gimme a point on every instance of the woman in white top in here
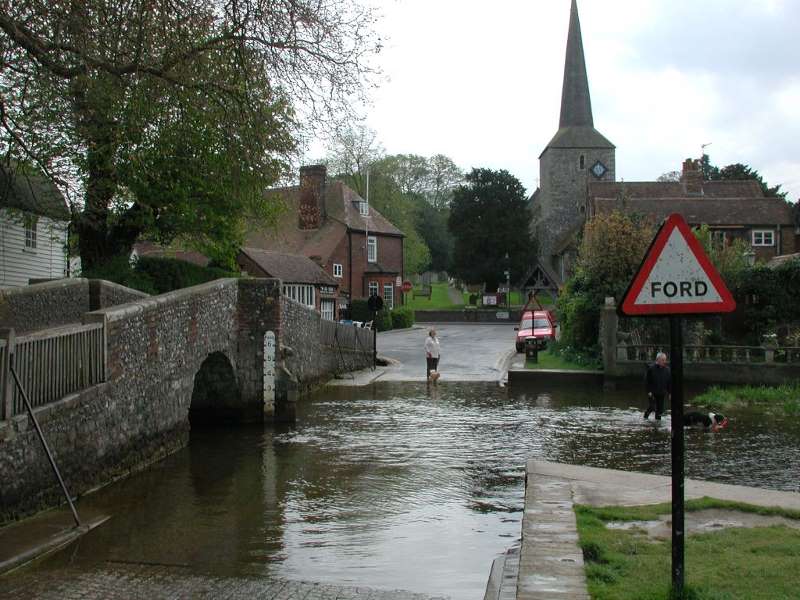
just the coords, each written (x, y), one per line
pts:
(432, 352)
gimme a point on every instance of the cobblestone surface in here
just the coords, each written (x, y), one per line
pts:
(151, 582)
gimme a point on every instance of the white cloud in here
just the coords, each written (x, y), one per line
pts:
(481, 82)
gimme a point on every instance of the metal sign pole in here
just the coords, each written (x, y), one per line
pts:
(678, 537)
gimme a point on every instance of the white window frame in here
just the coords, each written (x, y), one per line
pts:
(300, 292)
(372, 249)
(388, 295)
(337, 270)
(327, 308)
(759, 237)
(31, 224)
(372, 288)
(363, 208)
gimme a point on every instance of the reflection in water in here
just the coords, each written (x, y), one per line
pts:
(398, 485)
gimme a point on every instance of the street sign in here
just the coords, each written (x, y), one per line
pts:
(676, 277)
(407, 287)
(398, 281)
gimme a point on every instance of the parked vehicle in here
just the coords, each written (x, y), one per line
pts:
(536, 325)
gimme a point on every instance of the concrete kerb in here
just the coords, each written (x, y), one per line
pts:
(551, 562)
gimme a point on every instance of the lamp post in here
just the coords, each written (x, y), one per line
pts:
(750, 257)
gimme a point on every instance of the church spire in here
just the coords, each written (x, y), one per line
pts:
(576, 105)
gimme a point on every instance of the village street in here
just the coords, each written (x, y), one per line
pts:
(470, 351)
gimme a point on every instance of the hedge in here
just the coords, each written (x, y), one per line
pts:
(155, 275)
(398, 318)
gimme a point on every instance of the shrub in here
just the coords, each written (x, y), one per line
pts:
(155, 275)
(170, 274)
(382, 321)
(402, 318)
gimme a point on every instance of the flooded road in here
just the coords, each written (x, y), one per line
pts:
(395, 486)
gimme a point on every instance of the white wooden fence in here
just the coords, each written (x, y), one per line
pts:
(50, 364)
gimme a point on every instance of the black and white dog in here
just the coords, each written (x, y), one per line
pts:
(705, 421)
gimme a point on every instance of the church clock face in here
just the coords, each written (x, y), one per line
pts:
(599, 169)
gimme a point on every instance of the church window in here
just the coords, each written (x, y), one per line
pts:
(582, 162)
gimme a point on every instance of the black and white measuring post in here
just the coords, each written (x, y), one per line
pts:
(374, 303)
(676, 279)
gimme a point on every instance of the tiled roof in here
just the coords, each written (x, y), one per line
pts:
(673, 189)
(704, 210)
(342, 213)
(32, 193)
(291, 268)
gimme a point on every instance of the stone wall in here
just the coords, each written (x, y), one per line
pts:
(103, 294)
(43, 305)
(60, 302)
(308, 361)
(157, 350)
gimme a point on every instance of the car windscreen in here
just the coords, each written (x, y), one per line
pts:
(526, 324)
(541, 324)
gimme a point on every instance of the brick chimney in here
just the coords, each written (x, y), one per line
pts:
(692, 177)
(311, 209)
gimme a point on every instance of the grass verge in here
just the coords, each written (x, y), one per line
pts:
(439, 300)
(552, 361)
(743, 563)
(785, 398)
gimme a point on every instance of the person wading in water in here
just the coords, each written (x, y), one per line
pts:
(659, 386)
(432, 355)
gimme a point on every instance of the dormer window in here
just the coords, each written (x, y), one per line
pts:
(363, 209)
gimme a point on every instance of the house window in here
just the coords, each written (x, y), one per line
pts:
(304, 294)
(372, 249)
(388, 295)
(719, 239)
(763, 237)
(582, 162)
(363, 208)
(373, 288)
(30, 222)
(326, 309)
(337, 270)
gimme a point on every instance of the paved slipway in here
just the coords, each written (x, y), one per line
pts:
(470, 352)
(141, 581)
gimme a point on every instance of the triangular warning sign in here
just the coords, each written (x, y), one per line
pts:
(676, 277)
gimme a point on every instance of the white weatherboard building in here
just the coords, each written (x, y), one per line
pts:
(34, 221)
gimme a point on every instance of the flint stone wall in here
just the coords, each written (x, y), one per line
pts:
(309, 361)
(62, 302)
(155, 349)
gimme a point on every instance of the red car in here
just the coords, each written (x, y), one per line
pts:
(537, 325)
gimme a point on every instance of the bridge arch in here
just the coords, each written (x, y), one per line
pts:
(216, 397)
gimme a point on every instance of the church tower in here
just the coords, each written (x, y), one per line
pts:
(576, 155)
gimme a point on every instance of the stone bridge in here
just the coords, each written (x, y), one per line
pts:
(168, 362)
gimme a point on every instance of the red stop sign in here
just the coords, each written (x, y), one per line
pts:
(407, 286)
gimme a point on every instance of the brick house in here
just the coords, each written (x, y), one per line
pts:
(731, 209)
(332, 225)
(303, 280)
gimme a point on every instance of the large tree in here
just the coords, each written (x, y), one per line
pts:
(171, 116)
(488, 219)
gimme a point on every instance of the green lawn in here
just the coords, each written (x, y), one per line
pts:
(439, 299)
(550, 361)
(730, 564)
(785, 398)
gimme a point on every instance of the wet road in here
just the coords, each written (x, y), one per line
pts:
(470, 352)
(390, 486)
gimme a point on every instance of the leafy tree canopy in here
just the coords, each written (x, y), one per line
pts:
(739, 172)
(488, 220)
(172, 117)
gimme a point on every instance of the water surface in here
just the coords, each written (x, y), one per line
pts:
(396, 486)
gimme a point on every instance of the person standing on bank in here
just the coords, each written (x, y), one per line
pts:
(659, 386)
(431, 353)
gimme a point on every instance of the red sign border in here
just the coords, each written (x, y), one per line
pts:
(675, 221)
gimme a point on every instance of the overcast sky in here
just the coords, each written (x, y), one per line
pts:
(480, 82)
